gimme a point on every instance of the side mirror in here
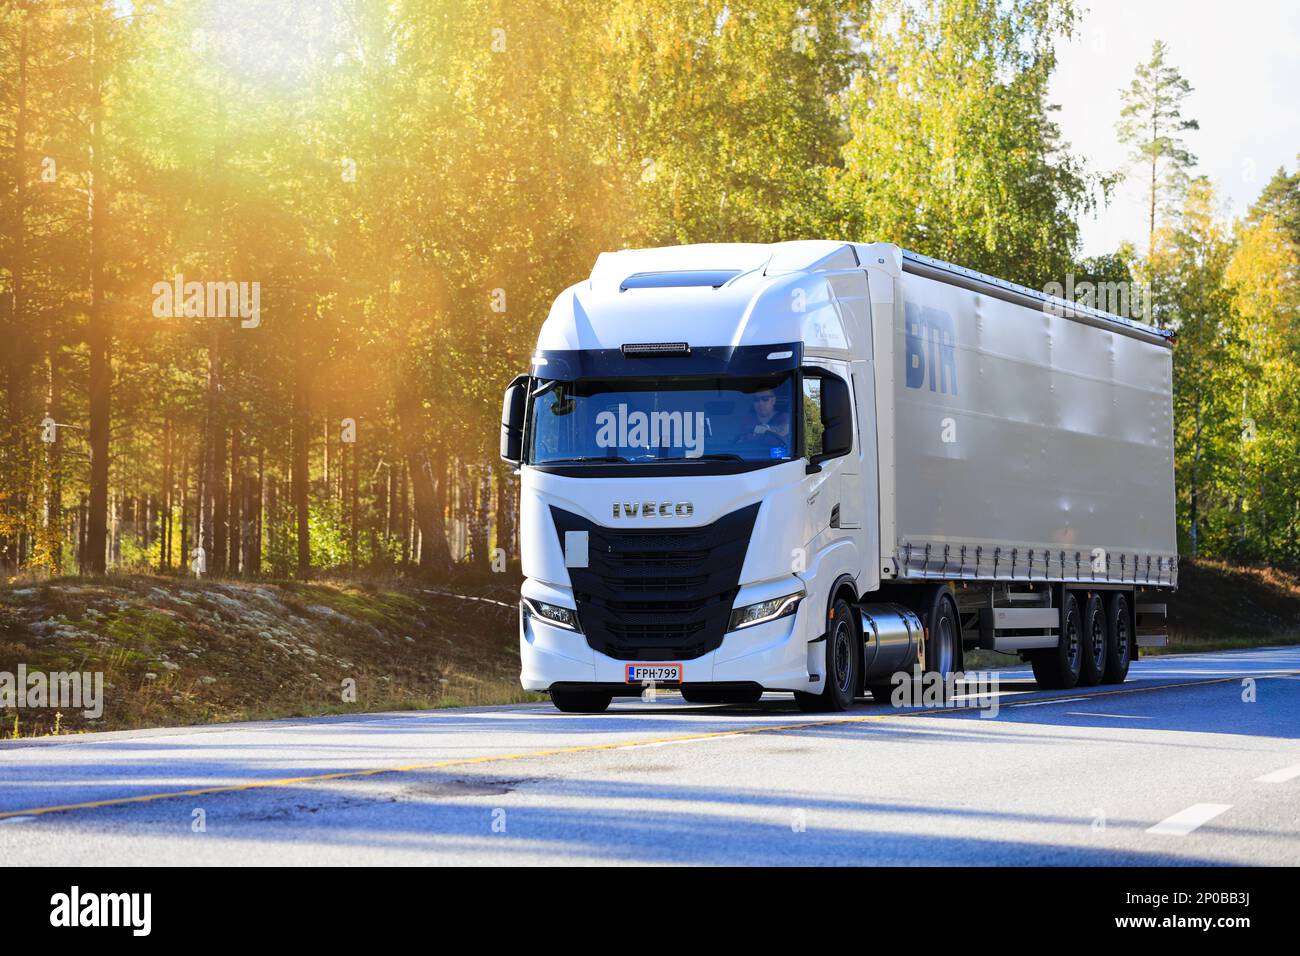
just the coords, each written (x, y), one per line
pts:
(512, 420)
(835, 402)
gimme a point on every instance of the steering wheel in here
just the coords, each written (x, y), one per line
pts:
(768, 439)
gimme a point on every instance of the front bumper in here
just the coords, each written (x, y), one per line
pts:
(773, 655)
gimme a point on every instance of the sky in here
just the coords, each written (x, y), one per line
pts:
(1243, 62)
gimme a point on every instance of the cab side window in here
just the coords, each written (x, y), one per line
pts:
(812, 416)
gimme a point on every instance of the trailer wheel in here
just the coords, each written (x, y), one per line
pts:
(843, 662)
(1119, 639)
(580, 701)
(1093, 655)
(1057, 668)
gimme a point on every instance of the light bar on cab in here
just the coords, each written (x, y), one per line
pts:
(656, 348)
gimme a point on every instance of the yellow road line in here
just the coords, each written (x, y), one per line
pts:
(534, 754)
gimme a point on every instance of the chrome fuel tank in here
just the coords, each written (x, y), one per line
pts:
(891, 637)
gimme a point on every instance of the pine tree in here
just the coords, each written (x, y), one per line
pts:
(1150, 123)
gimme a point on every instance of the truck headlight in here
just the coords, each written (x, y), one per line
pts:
(551, 613)
(764, 611)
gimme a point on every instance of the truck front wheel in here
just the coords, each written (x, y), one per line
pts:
(1057, 668)
(580, 701)
(843, 661)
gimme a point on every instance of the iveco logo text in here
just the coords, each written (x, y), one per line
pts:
(654, 509)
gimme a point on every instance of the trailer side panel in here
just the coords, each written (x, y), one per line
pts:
(1029, 445)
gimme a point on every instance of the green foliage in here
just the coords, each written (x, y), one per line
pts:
(953, 151)
(412, 182)
(1280, 199)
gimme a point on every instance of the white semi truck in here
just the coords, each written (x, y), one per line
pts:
(809, 466)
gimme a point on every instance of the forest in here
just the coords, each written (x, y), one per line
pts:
(265, 268)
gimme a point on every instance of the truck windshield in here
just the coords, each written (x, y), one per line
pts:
(643, 421)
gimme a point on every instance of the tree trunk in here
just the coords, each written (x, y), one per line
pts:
(434, 555)
(404, 513)
(53, 544)
(390, 494)
(220, 479)
(184, 555)
(165, 548)
(1194, 510)
(1151, 223)
(236, 496)
(353, 524)
(301, 440)
(253, 541)
(505, 513)
(15, 337)
(481, 516)
(99, 335)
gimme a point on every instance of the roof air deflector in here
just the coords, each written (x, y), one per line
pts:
(675, 280)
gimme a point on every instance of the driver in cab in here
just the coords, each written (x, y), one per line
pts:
(764, 422)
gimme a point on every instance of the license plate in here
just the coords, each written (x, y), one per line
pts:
(661, 673)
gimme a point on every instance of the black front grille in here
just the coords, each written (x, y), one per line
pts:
(637, 560)
(642, 633)
(641, 584)
(654, 594)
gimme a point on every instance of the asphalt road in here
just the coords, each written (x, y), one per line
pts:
(1187, 763)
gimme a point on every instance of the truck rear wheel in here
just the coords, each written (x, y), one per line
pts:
(1119, 639)
(942, 638)
(1093, 656)
(843, 664)
(1057, 668)
(581, 701)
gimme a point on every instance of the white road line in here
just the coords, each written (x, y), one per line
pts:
(1081, 713)
(1280, 776)
(1040, 703)
(1185, 821)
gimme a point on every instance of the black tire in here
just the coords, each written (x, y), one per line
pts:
(1119, 639)
(843, 664)
(1057, 668)
(1092, 665)
(731, 695)
(581, 701)
(942, 639)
